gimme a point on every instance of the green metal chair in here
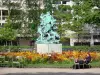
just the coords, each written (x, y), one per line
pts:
(2, 59)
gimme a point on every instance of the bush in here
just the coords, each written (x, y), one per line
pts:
(64, 48)
(83, 48)
(13, 48)
(3, 48)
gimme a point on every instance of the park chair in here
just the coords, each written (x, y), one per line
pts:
(17, 63)
(81, 65)
(88, 65)
(78, 66)
(2, 58)
(3, 62)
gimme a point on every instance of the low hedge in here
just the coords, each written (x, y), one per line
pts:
(84, 48)
(13, 48)
(64, 48)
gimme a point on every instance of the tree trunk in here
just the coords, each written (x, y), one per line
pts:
(6, 43)
(78, 38)
(91, 40)
(11, 42)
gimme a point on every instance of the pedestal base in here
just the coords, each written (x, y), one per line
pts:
(48, 48)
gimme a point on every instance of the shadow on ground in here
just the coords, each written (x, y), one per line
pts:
(50, 73)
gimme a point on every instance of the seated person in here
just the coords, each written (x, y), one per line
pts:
(78, 60)
(87, 59)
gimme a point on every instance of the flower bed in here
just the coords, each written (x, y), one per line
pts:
(25, 58)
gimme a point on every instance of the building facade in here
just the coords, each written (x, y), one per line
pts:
(90, 37)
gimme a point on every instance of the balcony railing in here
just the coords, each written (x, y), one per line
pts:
(3, 17)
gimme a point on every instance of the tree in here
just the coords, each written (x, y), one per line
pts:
(24, 16)
(91, 14)
(7, 33)
(33, 16)
(63, 15)
(76, 17)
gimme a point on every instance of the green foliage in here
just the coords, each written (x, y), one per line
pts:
(74, 18)
(64, 39)
(7, 33)
(95, 64)
(62, 15)
(41, 65)
(33, 16)
(89, 9)
(18, 17)
(64, 8)
(83, 48)
(48, 5)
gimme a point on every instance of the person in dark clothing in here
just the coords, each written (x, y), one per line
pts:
(88, 58)
(78, 60)
(82, 61)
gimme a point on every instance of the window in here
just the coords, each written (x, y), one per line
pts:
(2, 24)
(58, 2)
(5, 12)
(64, 2)
(4, 17)
(0, 12)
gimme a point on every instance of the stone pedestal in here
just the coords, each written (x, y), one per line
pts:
(48, 48)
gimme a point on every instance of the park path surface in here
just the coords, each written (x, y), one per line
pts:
(48, 71)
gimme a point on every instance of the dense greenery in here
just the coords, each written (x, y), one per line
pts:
(7, 32)
(83, 48)
(64, 48)
(24, 16)
(75, 17)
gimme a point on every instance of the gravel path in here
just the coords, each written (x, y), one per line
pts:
(48, 71)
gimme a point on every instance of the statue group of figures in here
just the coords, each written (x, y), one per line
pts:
(47, 30)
